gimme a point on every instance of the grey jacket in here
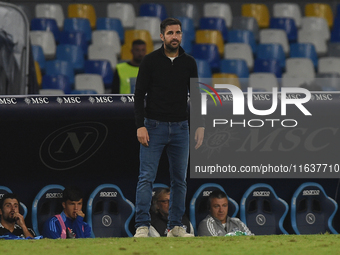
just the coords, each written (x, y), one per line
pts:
(211, 226)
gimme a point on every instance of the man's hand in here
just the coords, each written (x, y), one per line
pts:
(199, 135)
(19, 219)
(80, 213)
(143, 136)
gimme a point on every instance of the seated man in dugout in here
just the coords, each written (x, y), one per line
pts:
(12, 222)
(217, 222)
(70, 222)
(160, 212)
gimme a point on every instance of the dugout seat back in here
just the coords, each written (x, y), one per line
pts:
(23, 209)
(109, 212)
(157, 186)
(199, 204)
(312, 211)
(46, 204)
(263, 211)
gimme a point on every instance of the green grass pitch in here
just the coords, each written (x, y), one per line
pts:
(250, 245)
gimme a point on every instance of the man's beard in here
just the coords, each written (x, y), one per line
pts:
(9, 219)
(170, 48)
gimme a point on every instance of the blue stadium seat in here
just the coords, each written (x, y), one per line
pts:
(246, 23)
(185, 9)
(272, 51)
(235, 66)
(109, 212)
(46, 204)
(79, 24)
(75, 38)
(335, 36)
(214, 23)
(337, 11)
(263, 211)
(287, 24)
(188, 27)
(111, 24)
(101, 67)
(199, 204)
(203, 68)
(312, 211)
(84, 91)
(23, 209)
(304, 50)
(187, 43)
(153, 10)
(268, 66)
(73, 54)
(242, 36)
(38, 55)
(56, 81)
(157, 186)
(335, 31)
(60, 67)
(208, 52)
(46, 24)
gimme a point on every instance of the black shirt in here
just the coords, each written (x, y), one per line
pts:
(159, 222)
(166, 84)
(17, 231)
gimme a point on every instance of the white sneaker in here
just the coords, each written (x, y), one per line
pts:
(178, 231)
(142, 232)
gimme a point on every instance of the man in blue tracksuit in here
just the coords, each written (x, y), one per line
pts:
(70, 223)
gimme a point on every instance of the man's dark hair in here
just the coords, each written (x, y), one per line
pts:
(169, 22)
(216, 194)
(72, 194)
(138, 42)
(8, 195)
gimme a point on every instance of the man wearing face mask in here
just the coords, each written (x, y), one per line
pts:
(11, 220)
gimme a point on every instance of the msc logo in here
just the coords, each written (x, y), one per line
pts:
(311, 192)
(127, 99)
(261, 193)
(8, 100)
(68, 100)
(54, 195)
(36, 100)
(72, 145)
(101, 100)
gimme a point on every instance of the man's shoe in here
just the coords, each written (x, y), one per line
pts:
(178, 231)
(142, 232)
